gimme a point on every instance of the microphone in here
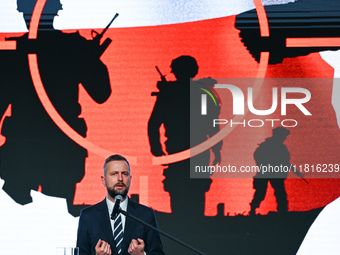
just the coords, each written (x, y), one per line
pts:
(115, 210)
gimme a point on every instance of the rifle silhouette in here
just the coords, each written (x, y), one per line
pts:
(299, 19)
(160, 73)
(162, 79)
(295, 171)
(97, 37)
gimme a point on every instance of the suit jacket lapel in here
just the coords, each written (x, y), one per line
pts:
(129, 226)
(105, 224)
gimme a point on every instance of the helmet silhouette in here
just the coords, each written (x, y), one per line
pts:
(281, 131)
(184, 67)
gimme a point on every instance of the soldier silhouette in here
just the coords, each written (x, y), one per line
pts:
(172, 109)
(36, 152)
(312, 20)
(273, 154)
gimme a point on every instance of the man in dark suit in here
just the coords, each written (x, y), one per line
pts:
(96, 229)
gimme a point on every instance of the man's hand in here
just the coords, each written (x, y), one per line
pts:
(136, 247)
(102, 248)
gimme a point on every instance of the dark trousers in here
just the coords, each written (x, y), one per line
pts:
(260, 186)
(187, 194)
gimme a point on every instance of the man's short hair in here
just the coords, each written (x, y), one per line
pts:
(115, 157)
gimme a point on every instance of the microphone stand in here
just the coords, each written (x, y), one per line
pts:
(159, 231)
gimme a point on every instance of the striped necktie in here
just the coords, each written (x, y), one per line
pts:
(118, 232)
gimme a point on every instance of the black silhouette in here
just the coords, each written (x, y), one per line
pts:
(36, 151)
(273, 159)
(238, 235)
(300, 19)
(173, 109)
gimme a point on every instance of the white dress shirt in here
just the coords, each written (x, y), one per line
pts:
(123, 206)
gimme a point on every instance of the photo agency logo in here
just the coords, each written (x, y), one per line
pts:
(239, 114)
(246, 101)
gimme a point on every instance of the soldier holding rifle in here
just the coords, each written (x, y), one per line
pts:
(54, 163)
